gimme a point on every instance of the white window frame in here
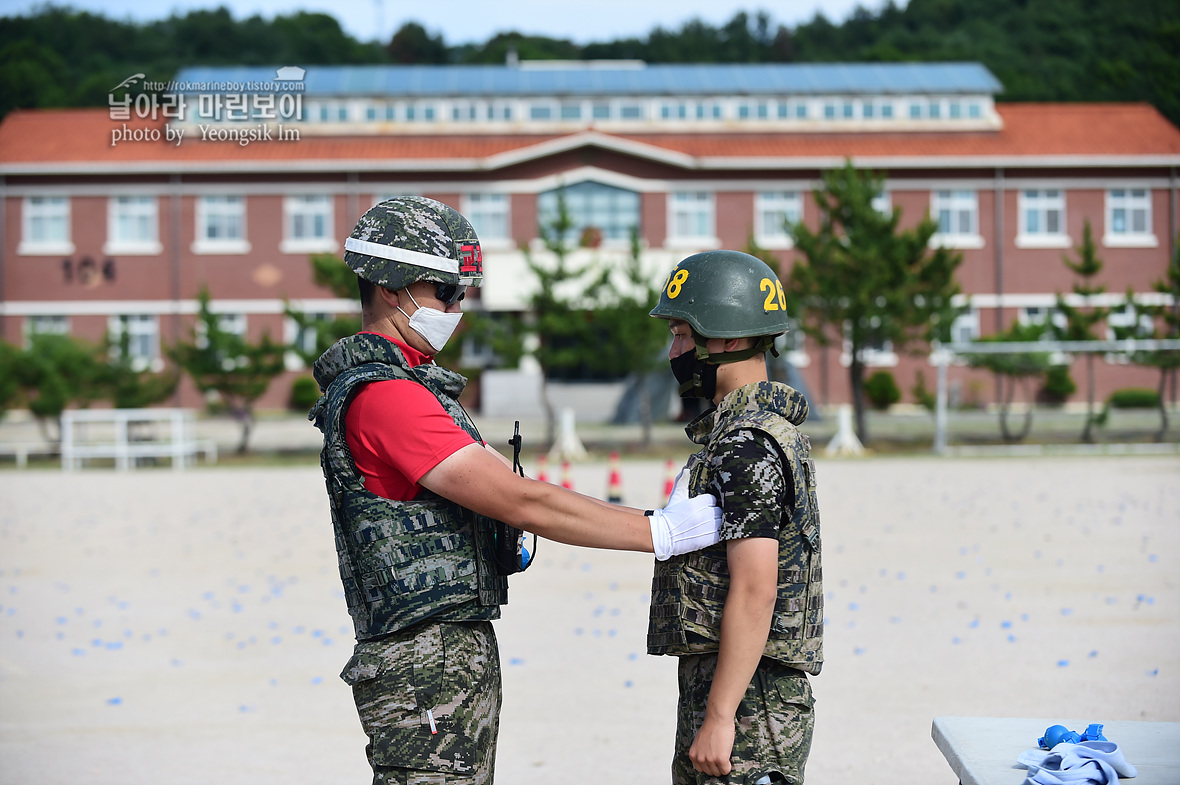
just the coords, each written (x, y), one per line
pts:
(206, 210)
(1129, 200)
(968, 323)
(883, 202)
(44, 324)
(294, 334)
(698, 229)
(885, 357)
(136, 208)
(141, 327)
(310, 207)
(491, 215)
(956, 203)
(771, 209)
(1040, 201)
(37, 212)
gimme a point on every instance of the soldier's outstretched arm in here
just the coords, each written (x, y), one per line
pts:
(473, 478)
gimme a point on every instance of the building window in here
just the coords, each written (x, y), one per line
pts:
(143, 339)
(42, 324)
(45, 226)
(613, 212)
(228, 323)
(308, 222)
(132, 225)
(1127, 322)
(221, 225)
(965, 328)
(882, 203)
(571, 111)
(540, 112)
(630, 111)
(772, 211)
(957, 214)
(1041, 314)
(877, 352)
(1128, 218)
(691, 218)
(488, 213)
(304, 338)
(1042, 219)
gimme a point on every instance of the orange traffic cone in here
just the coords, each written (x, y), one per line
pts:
(614, 485)
(669, 478)
(566, 482)
(542, 468)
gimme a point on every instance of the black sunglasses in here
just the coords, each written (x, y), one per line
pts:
(450, 293)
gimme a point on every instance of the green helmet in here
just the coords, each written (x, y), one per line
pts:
(725, 294)
(412, 238)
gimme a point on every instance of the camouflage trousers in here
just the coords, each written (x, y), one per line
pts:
(429, 701)
(774, 723)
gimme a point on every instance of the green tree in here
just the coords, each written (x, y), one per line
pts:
(10, 358)
(862, 277)
(128, 387)
(1162, 322)
(411, 44)
(562, 333)
(1018, 368)
(58, 371)
(630, 341)
(333, 274)
(1081, 320)
(221, 362)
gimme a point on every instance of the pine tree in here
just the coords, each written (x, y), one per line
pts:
(630, 341)
(334, 274)
(227, 364)
(560, 328)
(862, 277)
(1011, 369)
(1081, 320)
(1162, 322)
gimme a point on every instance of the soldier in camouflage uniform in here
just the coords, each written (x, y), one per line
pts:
(744, 617)
(424, 513)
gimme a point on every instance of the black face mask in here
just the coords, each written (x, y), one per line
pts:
(698, 379)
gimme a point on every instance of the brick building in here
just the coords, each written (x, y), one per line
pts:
(114, 218)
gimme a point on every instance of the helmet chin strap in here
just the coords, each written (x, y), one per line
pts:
(761, 344)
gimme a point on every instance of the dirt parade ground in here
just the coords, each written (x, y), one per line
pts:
(169, 628)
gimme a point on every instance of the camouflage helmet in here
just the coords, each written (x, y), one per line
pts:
(724, 294)
(412, 238)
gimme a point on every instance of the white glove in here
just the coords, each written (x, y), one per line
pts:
(685, 526)
(680, 488)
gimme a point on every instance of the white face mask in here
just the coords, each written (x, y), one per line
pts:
(436, 327)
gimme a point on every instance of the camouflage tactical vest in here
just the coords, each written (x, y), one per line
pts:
(688, 592)
(400, 562)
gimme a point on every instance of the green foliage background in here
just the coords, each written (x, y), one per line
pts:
(1041, 50)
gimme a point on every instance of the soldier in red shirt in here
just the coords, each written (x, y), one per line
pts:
(422, 507)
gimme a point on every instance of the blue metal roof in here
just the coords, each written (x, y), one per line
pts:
(625, 79)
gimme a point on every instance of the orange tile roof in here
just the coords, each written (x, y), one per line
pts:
(79, 140)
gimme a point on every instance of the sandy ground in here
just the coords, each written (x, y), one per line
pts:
(169, 628)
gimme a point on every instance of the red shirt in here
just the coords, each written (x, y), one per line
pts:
(397, 431)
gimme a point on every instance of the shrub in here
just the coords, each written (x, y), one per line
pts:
(304, 393)
(1059, 385)
(882, 390)
(1134, 398)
